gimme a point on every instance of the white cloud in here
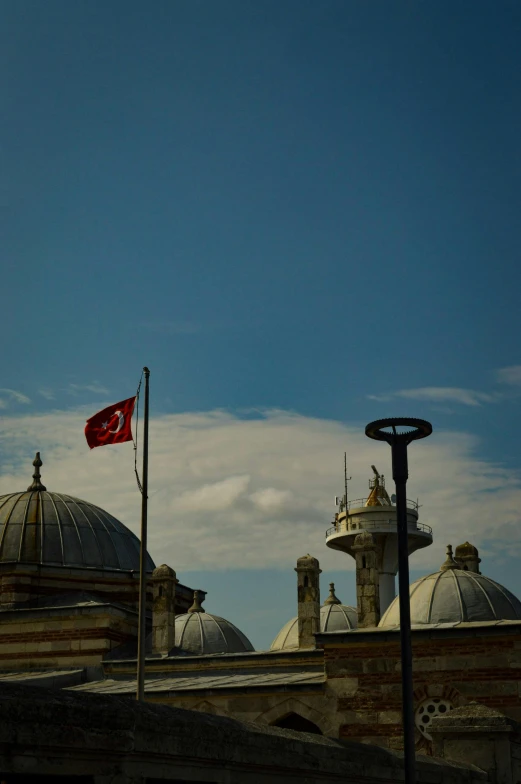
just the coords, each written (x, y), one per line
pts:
(257, 493)
(213, 497)
(468, 397)
(271, 500)
(47, 393)
(94, 387)
(8, 396)
(509, 375)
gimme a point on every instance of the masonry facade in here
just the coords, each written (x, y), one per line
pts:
(459, 665)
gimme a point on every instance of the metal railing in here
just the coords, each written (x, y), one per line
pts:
(385, 525)
(359, 502)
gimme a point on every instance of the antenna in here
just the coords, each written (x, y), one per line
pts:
(346, 480)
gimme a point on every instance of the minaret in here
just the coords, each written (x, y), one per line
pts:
(308, 586)
(376, 515)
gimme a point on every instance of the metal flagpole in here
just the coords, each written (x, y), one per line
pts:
(140, 693)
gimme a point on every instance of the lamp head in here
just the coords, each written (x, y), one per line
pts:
(398, 430)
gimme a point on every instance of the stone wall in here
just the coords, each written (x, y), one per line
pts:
(265, 707)
(487, 737)
(62, 617)
(120, 741)
(246, 702)
(33, 584)
(62, 637)
(466, 663)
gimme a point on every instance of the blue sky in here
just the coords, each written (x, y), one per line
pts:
(293, 206)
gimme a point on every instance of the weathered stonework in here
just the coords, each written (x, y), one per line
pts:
(367, 580)
(62, 617)
(308, 577)
(163, 609)
(110, 740)
(469, 662)
(482, 734)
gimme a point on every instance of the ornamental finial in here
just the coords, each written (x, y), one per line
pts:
(37, 483)
(449, 562)
(198, 599)
(332, 599)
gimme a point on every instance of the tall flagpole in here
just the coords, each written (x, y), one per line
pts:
(140, 694)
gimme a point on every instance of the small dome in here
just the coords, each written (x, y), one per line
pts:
(198, 633)
(37, 526)
(334, 617)
(454, 596)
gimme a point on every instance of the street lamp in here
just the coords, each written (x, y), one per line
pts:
(399, 432)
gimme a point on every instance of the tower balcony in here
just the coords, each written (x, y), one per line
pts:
(378, 520)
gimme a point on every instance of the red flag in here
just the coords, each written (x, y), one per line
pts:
(112, 425)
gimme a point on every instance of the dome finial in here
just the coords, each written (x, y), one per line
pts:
(198, 600)
(37, 483)
(332, 599)
(449, 562)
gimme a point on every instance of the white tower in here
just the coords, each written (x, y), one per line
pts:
(377, 516)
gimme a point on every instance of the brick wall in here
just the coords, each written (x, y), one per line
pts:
(366, 677)
(63, 640)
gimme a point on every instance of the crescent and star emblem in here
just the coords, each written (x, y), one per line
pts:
(121, 422)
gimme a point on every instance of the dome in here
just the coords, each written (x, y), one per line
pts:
(55, 529)
(334, 617)
(454, 595)
(198, 633)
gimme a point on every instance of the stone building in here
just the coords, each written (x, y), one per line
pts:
(69, 580)
(332, 670)
(50, 737)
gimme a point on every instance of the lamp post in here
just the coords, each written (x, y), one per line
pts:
(399, 432)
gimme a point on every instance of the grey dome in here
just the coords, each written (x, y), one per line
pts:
(333, 618)
(198, 633)
(455, 596)
(37, 526)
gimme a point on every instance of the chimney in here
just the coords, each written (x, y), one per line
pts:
(367, 581)
(163, 610)
(308, 581)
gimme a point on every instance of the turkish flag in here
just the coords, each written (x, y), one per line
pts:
(112, 425)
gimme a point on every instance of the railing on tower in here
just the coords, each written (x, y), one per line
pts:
(367, 525)
(359, 502)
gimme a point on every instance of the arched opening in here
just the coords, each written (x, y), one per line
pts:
(363, 562)
(306, 581)
(294, 721)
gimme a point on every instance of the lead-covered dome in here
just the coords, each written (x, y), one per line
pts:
(455, 595)
(334, 617)
(56, 529)
(198, 633)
